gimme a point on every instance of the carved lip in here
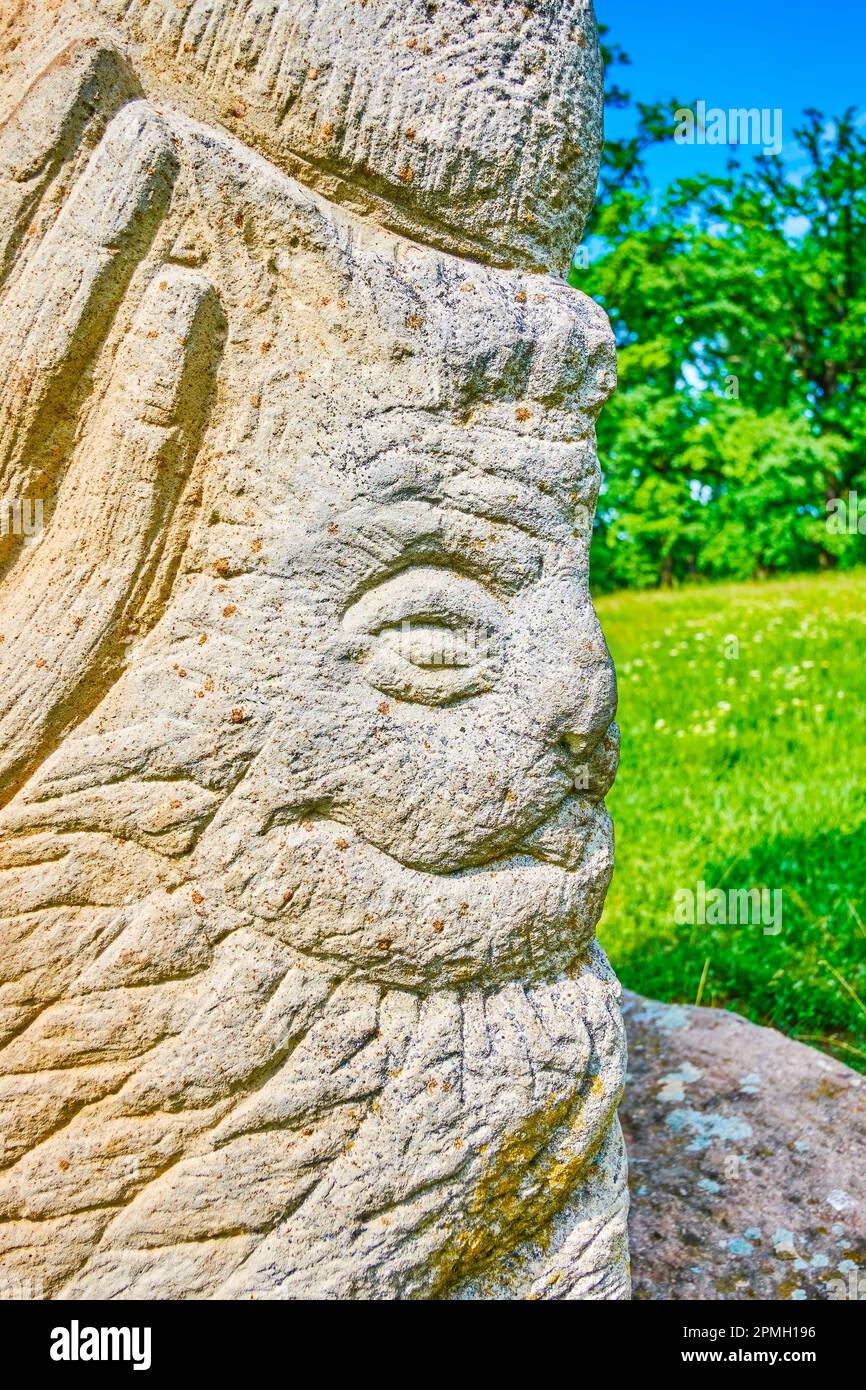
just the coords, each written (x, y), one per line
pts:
(576, 832)
(573, 834)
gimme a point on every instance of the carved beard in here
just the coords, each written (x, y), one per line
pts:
(275, 1129)
(276, 1099)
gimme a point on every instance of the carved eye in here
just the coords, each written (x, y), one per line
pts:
(427, 635)
(432, 645)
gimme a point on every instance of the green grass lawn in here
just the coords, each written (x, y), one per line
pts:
(743, 714)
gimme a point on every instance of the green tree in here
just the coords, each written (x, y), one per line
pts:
(739, 306)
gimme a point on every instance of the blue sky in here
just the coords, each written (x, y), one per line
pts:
(785, 54)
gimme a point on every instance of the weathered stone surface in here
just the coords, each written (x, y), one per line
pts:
(747, 1154)
(306, 714)
(473, 125)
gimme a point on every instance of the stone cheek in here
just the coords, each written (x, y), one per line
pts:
(306, 727)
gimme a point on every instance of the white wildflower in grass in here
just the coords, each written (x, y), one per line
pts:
(737, 767)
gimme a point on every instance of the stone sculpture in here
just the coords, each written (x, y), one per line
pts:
(306, 714)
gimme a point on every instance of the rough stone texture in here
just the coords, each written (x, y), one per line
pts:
(306, 714)
(747, 1154)
(473, 125)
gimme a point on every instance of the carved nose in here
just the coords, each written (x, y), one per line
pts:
(591, 709)
(579, 702)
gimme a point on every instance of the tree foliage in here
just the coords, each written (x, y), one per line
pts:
(739, 307)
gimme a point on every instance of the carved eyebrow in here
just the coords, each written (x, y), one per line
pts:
(495, 554)
(516, 479)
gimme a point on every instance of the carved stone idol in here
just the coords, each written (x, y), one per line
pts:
(305, 712)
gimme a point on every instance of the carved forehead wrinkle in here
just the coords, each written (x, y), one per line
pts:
(420, 454)
(551, 344)
(453, 330)
(495, 335)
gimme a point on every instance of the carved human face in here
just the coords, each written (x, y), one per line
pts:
(464, 655)
(428, 803)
